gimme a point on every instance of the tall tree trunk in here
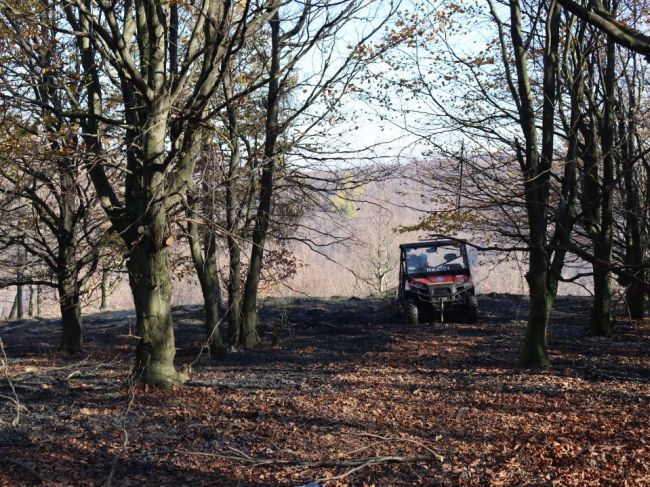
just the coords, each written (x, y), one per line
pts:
(249, 300)
(14, 308)
(205, 264)
(32, 301)
(68, 274)
(541, 301)
(602, 301)
(537, 167)
(233, 312)
(628, 123)
(634, 293)
(39, 301)
(105, 291)
(148, 263)
(234, 293)
(603, 243)
(149, 278)
(70, 305)
(20, 289)
(161, 147)
(20, 302)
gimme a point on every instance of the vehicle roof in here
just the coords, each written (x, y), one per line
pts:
(429, 243)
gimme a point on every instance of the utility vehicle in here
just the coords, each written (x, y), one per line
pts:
(435, 279)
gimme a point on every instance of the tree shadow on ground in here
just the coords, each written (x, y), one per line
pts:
(328, 372)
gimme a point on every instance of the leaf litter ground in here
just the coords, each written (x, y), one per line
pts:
(339, 393)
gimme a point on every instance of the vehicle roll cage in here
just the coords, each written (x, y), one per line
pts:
(433, 243)
(429, 243)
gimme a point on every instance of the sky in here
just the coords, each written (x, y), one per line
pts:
(394, 134)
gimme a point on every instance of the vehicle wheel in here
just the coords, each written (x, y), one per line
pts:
(411, 312)
(471, 310)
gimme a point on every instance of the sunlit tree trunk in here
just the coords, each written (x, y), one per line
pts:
(628, 123)
(204, 258)
(536, 167)
(105, 303)
(149, 273)
(601, 322)
(39, 301)
(249, 299)
(148, 263)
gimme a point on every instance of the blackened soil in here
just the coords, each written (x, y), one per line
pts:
(333, 380)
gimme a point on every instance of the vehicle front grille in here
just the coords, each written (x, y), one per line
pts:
(440, 291)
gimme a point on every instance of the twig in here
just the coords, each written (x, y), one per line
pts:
(407, 440)
(208, 341)
(73, 374)
(125, 432)
(263, 462)
(352, 465)
(17, 406)
(359, 450)
(346, 473)
(48, 370)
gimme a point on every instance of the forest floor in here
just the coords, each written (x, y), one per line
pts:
(338, 390)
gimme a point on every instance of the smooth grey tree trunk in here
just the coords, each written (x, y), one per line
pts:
(205, 263)
(106, 290)
(601, 321)
(14, 307)
(628, 126)
(39, 301)
(149, 278)
(536, 167)
(251, 286)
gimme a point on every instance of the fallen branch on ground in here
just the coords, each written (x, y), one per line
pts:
(352, 465)
(262, 462)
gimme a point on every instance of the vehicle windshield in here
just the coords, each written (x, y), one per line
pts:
(444, 258)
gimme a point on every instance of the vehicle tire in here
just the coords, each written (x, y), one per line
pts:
(411, 312)
(471, 310)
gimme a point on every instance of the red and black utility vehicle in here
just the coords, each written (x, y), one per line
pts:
(434, 279)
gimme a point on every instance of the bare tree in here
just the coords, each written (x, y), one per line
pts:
(46, 202)
(163, 90)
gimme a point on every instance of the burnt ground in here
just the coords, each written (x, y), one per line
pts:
(334, 381)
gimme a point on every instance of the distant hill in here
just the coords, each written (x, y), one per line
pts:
(364, 228)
